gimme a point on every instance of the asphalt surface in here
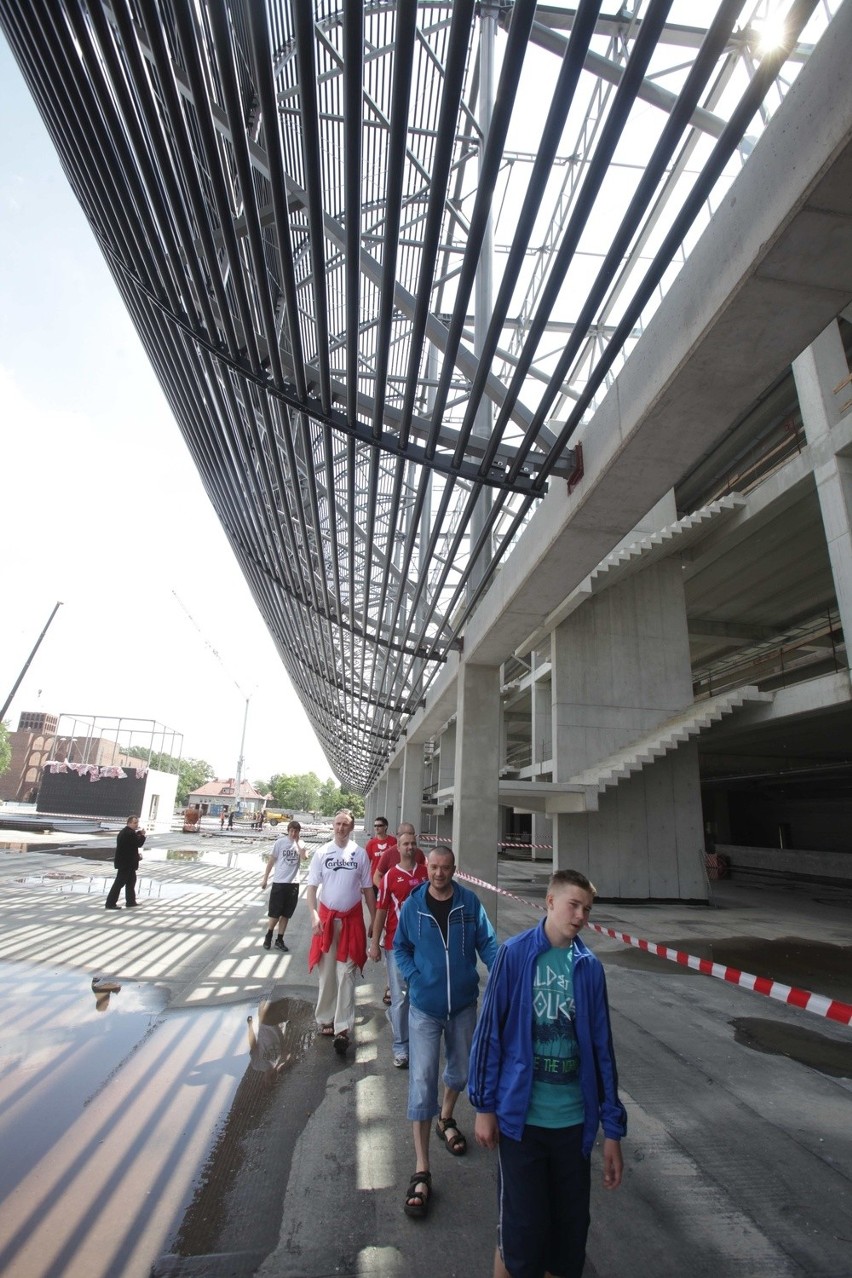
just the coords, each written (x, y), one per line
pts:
(141, 1142)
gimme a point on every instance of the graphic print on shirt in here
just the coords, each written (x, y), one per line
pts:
(556, 1056)
(340, 863)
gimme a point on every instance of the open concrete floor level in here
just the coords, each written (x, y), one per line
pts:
(137, 1139)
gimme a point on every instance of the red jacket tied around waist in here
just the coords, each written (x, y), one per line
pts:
(353, 936)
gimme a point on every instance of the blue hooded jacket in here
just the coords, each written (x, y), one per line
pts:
(442, 979)
(501, 1061)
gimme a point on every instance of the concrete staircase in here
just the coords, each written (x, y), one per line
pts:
(668, 736)
(635, 554)
(659, 544)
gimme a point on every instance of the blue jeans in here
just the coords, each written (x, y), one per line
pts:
(424, 1056)
(397, 1013)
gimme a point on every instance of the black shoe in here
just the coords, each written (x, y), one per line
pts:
(279, 945)
(267, 941)
(131, 905)
(111, 907)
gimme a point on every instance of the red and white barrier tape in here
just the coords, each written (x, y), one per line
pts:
(433, 838)
(829, 1008)
(546, 847)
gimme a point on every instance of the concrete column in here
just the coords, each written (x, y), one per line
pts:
(392, 788)
(620, 668)
(541, 730)
(446, 781)
(447, 759)
(411, 795)
(369, 809)
(476, 818)
(542, 724)
(542, 833)
(818, 373)
(380, 793)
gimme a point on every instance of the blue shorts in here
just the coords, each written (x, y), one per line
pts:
(543, 1202)
(424, 1058)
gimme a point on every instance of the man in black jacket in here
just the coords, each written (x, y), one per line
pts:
(126, 862)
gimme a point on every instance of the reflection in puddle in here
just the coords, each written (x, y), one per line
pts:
(98, 885)
(56, 1051)
(268, 1054)
(237, 1205)
(102, 988)
(808, 1047)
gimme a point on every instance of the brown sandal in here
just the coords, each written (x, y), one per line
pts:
(419, 1208)
(326, 1031)
(448, 1130)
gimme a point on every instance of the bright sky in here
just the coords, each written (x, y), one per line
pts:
(101, 504)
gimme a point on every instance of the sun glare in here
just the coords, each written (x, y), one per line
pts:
(771, 33)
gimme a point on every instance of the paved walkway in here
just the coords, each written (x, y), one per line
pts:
(141, 1142)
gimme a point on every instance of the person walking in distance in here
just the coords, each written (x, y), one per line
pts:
(442, 929)
(543, 1079)
(339, 876)
(126, 862)
(394, 889)
(283, 864)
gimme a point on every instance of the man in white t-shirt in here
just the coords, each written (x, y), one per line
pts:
(340, 873)
(283, 864)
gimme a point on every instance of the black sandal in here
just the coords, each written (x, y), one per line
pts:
(341, 1042)
(455, 1141)
(420, 1207)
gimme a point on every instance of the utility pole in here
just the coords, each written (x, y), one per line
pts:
(241, 760)
(208, 644)
(8, 700)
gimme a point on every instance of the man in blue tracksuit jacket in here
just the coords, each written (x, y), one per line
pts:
(442, 929)
(542, 1080)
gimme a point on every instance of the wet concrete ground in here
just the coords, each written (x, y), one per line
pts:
(143, 1141)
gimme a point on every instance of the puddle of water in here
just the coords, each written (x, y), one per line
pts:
(99, 885)
(59, 1042)
(793, 960)
(236, 1207)
(808, 1047)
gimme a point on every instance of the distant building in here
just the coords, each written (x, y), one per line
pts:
(216, 797)
(38, 740)
(56, 761)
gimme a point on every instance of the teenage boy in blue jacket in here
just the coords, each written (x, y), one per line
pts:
(442, 929)
(542, 1079)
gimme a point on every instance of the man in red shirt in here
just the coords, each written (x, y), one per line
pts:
(380, 842)
(395, 887)
(391, 856)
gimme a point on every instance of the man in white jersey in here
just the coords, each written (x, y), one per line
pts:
(283, 865)
(340, 874)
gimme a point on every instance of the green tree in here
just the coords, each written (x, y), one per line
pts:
(329, 795)
(5, 748)
(192, 773)
(296, 793)
(332, 798)
(355, 802)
